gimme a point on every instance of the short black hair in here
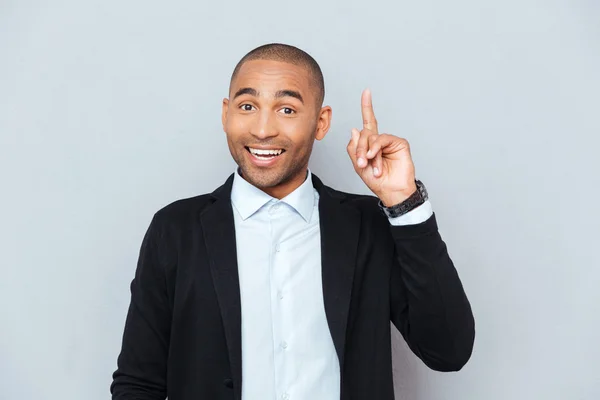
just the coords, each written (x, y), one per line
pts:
(289, 54)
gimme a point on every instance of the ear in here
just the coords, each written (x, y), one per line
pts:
(225, 107)
(323, 122)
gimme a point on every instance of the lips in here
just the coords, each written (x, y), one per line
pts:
(264, 157)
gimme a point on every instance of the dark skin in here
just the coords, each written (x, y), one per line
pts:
(274, 105)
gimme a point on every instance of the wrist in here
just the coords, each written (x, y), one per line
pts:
(391, 199)
(399, 203)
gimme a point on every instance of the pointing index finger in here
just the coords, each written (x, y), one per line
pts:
(369, 121)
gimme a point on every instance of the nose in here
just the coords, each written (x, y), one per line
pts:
(264, 125)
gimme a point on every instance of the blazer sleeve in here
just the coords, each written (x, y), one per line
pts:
(428, 304)
(142, 362)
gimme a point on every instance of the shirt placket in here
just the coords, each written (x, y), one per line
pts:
(281, 328)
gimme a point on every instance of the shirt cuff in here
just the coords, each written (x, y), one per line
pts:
(413, 217)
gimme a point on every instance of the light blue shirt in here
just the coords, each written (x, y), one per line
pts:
(287, 349)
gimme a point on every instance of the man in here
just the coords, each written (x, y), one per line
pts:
(276, 286)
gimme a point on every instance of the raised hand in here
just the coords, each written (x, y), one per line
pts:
(383, 161)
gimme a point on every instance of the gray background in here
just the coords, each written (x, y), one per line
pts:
(110, 110)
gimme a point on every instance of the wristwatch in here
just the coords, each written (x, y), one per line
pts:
(419, 197)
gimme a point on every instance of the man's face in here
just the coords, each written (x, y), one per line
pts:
(271, 120)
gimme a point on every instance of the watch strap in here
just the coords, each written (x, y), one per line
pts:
(416, 199)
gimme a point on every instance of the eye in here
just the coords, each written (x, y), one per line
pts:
(287, 111)
(247, 107)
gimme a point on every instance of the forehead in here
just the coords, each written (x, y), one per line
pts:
(271, 76)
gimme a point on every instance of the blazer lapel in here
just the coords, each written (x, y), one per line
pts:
(219, 234)
(340, 227)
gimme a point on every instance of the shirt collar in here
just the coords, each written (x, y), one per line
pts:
(248, 199)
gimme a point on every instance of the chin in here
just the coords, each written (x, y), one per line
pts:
(262, 179)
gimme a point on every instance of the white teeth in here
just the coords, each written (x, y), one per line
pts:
(265, 152)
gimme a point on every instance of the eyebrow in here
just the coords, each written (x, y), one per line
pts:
(246, 90)
(280, 93)
(289, 93)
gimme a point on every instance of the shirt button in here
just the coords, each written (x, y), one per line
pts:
(280, 295)
(285, 396)
(277, 248)
(284, 345)
(274, 209)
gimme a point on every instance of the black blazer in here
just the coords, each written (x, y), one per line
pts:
(182, 335)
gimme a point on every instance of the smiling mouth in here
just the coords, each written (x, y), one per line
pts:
(265, 154)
